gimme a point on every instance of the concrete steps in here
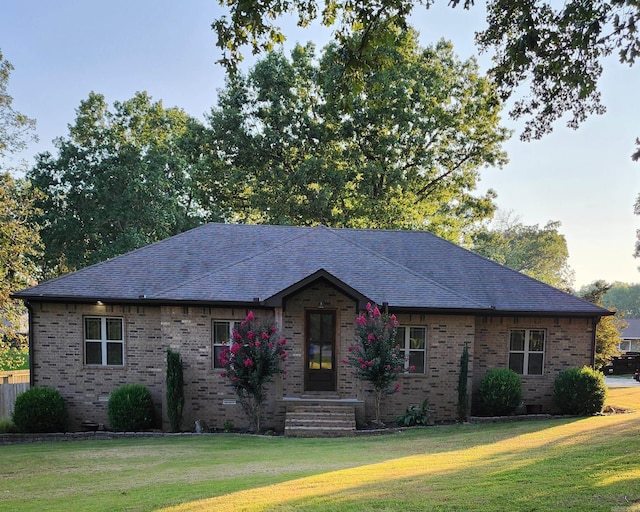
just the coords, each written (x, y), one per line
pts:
(321, 418)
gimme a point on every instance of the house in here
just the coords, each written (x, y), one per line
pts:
(630, 344)
(110, 324)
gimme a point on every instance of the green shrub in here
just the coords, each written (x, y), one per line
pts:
(500, 392)
(416, 415)
(175, 389)
(130, 408)
(40, 409)
(7, 426)
(580, 391)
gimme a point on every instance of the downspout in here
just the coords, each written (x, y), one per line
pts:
(31, 344)
(594, 322)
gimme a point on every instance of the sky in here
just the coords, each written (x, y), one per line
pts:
(584, 178)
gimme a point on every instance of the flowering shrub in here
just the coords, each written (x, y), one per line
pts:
(251, 362)
(376, 357)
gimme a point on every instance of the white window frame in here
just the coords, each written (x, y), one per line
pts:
(215, 363)
(405, 344)
(103, 340)
(527, 352)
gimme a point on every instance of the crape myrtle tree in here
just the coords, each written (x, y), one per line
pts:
(404, 151)
(376, 357)
(121, 179)
(19, 238)
(251, 363)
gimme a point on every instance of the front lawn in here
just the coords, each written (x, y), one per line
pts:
(562, 464)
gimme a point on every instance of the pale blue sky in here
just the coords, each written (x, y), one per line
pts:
(63, 50)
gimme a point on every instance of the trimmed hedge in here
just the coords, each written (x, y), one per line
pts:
(40, 409)
(580, 391)
(130, 408)
(500, 392)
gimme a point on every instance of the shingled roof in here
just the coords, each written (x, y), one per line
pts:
(231, 264)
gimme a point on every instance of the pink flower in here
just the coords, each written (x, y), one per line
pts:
(248, 362)
(251, 335)
(412, 368)
(376, 313)
(237, 335)
(283, 354)
(369, 307)
(364, 366)
(349, 348)
(371, 338)
(283, 341)
(361, 320)
(235, 348)
(270, 345)
(265, 336)
(223, 375)
(250, 316)
(284, 372)
(360, 360)
(272, 330)
(257, 344)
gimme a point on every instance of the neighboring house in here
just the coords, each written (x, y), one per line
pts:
(630, 337)
(111, 323)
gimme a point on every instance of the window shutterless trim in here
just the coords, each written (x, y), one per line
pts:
(105, 342)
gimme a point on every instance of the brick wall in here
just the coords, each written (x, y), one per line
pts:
(568, 344)
(59, 352)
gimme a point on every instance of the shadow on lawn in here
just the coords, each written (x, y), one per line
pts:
(582, 464)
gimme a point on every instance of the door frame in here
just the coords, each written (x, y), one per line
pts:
(313, 380)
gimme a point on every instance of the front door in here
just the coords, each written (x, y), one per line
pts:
(320, 373)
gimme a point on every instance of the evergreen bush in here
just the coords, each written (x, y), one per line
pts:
(175, 389)
(130, 408)
(40, 409)
(500, 392)
(580, 391)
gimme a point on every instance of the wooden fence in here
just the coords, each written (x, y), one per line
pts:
(12, 383)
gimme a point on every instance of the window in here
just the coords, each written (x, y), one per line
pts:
(103, 341)
(414, 342)
(526, 351)
(222, 336)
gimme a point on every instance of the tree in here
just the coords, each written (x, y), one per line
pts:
(376, 357)
(175, 389)
(555, 52)
(624, 298)
(251, 363)
(121, 180)
(19, 239)
(540, 253)
(608, 329)
(402, 152)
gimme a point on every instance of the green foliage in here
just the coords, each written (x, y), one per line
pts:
(540, 253)
(121, 179)
(40, 409)
(608, 329)
(7, 426)
(580, 391)
(500, 392)
(13, 358)
(252, 362)
(463, 394)
(405, 152)
(624, 298)
(554, 51)
(130, 408)
(175, 389)
(376, 358)
(416, 415)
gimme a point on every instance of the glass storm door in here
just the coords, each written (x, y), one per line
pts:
(320, 374)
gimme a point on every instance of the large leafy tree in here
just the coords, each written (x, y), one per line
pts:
(402, 151)
(19, 240)
(121, 179)
(624, 298)
(539, 252)
(608, 329)
(554, 51)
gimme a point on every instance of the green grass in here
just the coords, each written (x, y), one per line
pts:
(561, 464)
